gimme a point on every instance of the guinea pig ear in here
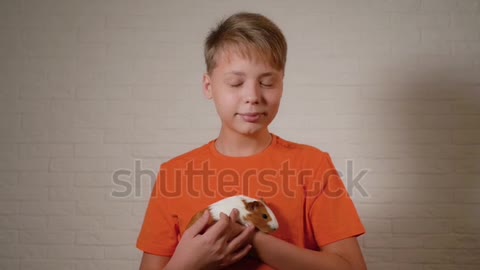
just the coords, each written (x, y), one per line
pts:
(252, 206)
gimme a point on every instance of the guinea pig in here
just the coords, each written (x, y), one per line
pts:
(250, 210)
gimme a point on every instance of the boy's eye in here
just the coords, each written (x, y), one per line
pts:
(236, 84)
(266, 84)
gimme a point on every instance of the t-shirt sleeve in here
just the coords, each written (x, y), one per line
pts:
(333, 215)
(159, 233)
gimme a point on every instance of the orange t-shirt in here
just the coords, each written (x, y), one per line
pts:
(298, 182)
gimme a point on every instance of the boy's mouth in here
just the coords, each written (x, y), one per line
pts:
(251, 117)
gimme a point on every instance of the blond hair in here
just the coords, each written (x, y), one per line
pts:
(251, 35)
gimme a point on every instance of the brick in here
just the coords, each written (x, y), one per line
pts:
(106, 265)
(93, 180)
(9, 208)
(470, 48)
(392, 241)
(45, 91)
(139, 208)
(422, 195)
(77, 165)
(466, 20)
(466, 137)
(407, 165)
(27, 106)
(466, 224)
(75, 252)
(430, 181)
(449, 267)
(121, 252)
(76, 194)
(8, 251)
(23, 222)
(158, 136)
(354, 151)
(377, 225)
(466, 107)
(45, 179)
(47, 120)
(469, 256)
(49, 238)
(467, 195)
(451, 34)
(102, 150)
(75, 107)
(31, 164)
(9, 264)
(375, 255)
(45, 150)
(467, 165)
(439, 5)
(152, 123)
(451, 241)
(24, 193)
(133, 223)
(11, 120)
(422, 226)
(425, 211)
(374, 196)
(468, 5)
(160, 150)
(423, 256)
(455, 211)
(75, 135)
(75, 223)
(106, 238)
(120, 107)
(89, 208)
(46, 265)
(8, 237)
(24, 135)
(95, 120)
(396, 6)
(108, 93)
(428, 20)
(47, 208)
(9, 179)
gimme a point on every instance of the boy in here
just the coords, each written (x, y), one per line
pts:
(245, 57)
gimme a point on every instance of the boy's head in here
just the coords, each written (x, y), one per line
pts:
(245, 56)
(249, 34)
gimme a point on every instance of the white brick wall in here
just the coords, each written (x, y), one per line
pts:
(89, 87)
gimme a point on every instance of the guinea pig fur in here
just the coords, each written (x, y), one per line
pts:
(250, 210)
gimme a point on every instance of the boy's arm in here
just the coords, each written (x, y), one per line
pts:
(343, 254)
(153, 262)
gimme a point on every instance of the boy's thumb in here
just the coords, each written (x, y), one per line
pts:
(200, 224)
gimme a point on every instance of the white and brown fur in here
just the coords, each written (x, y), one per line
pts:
(250, 210)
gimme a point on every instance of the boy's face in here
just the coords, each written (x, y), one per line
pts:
(246, 93)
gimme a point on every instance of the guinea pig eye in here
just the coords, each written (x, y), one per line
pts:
(265, 216)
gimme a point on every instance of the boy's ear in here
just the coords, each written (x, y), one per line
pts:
(207, 86)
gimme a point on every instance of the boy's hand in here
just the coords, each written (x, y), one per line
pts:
(223, 244)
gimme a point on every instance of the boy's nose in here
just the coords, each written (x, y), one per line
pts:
(252, 94)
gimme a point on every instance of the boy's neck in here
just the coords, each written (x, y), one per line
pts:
(238, 145)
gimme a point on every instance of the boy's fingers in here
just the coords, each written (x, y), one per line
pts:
(240, 254)
(241, 239)
(218, 229)
(199, 225)
(234, 215)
